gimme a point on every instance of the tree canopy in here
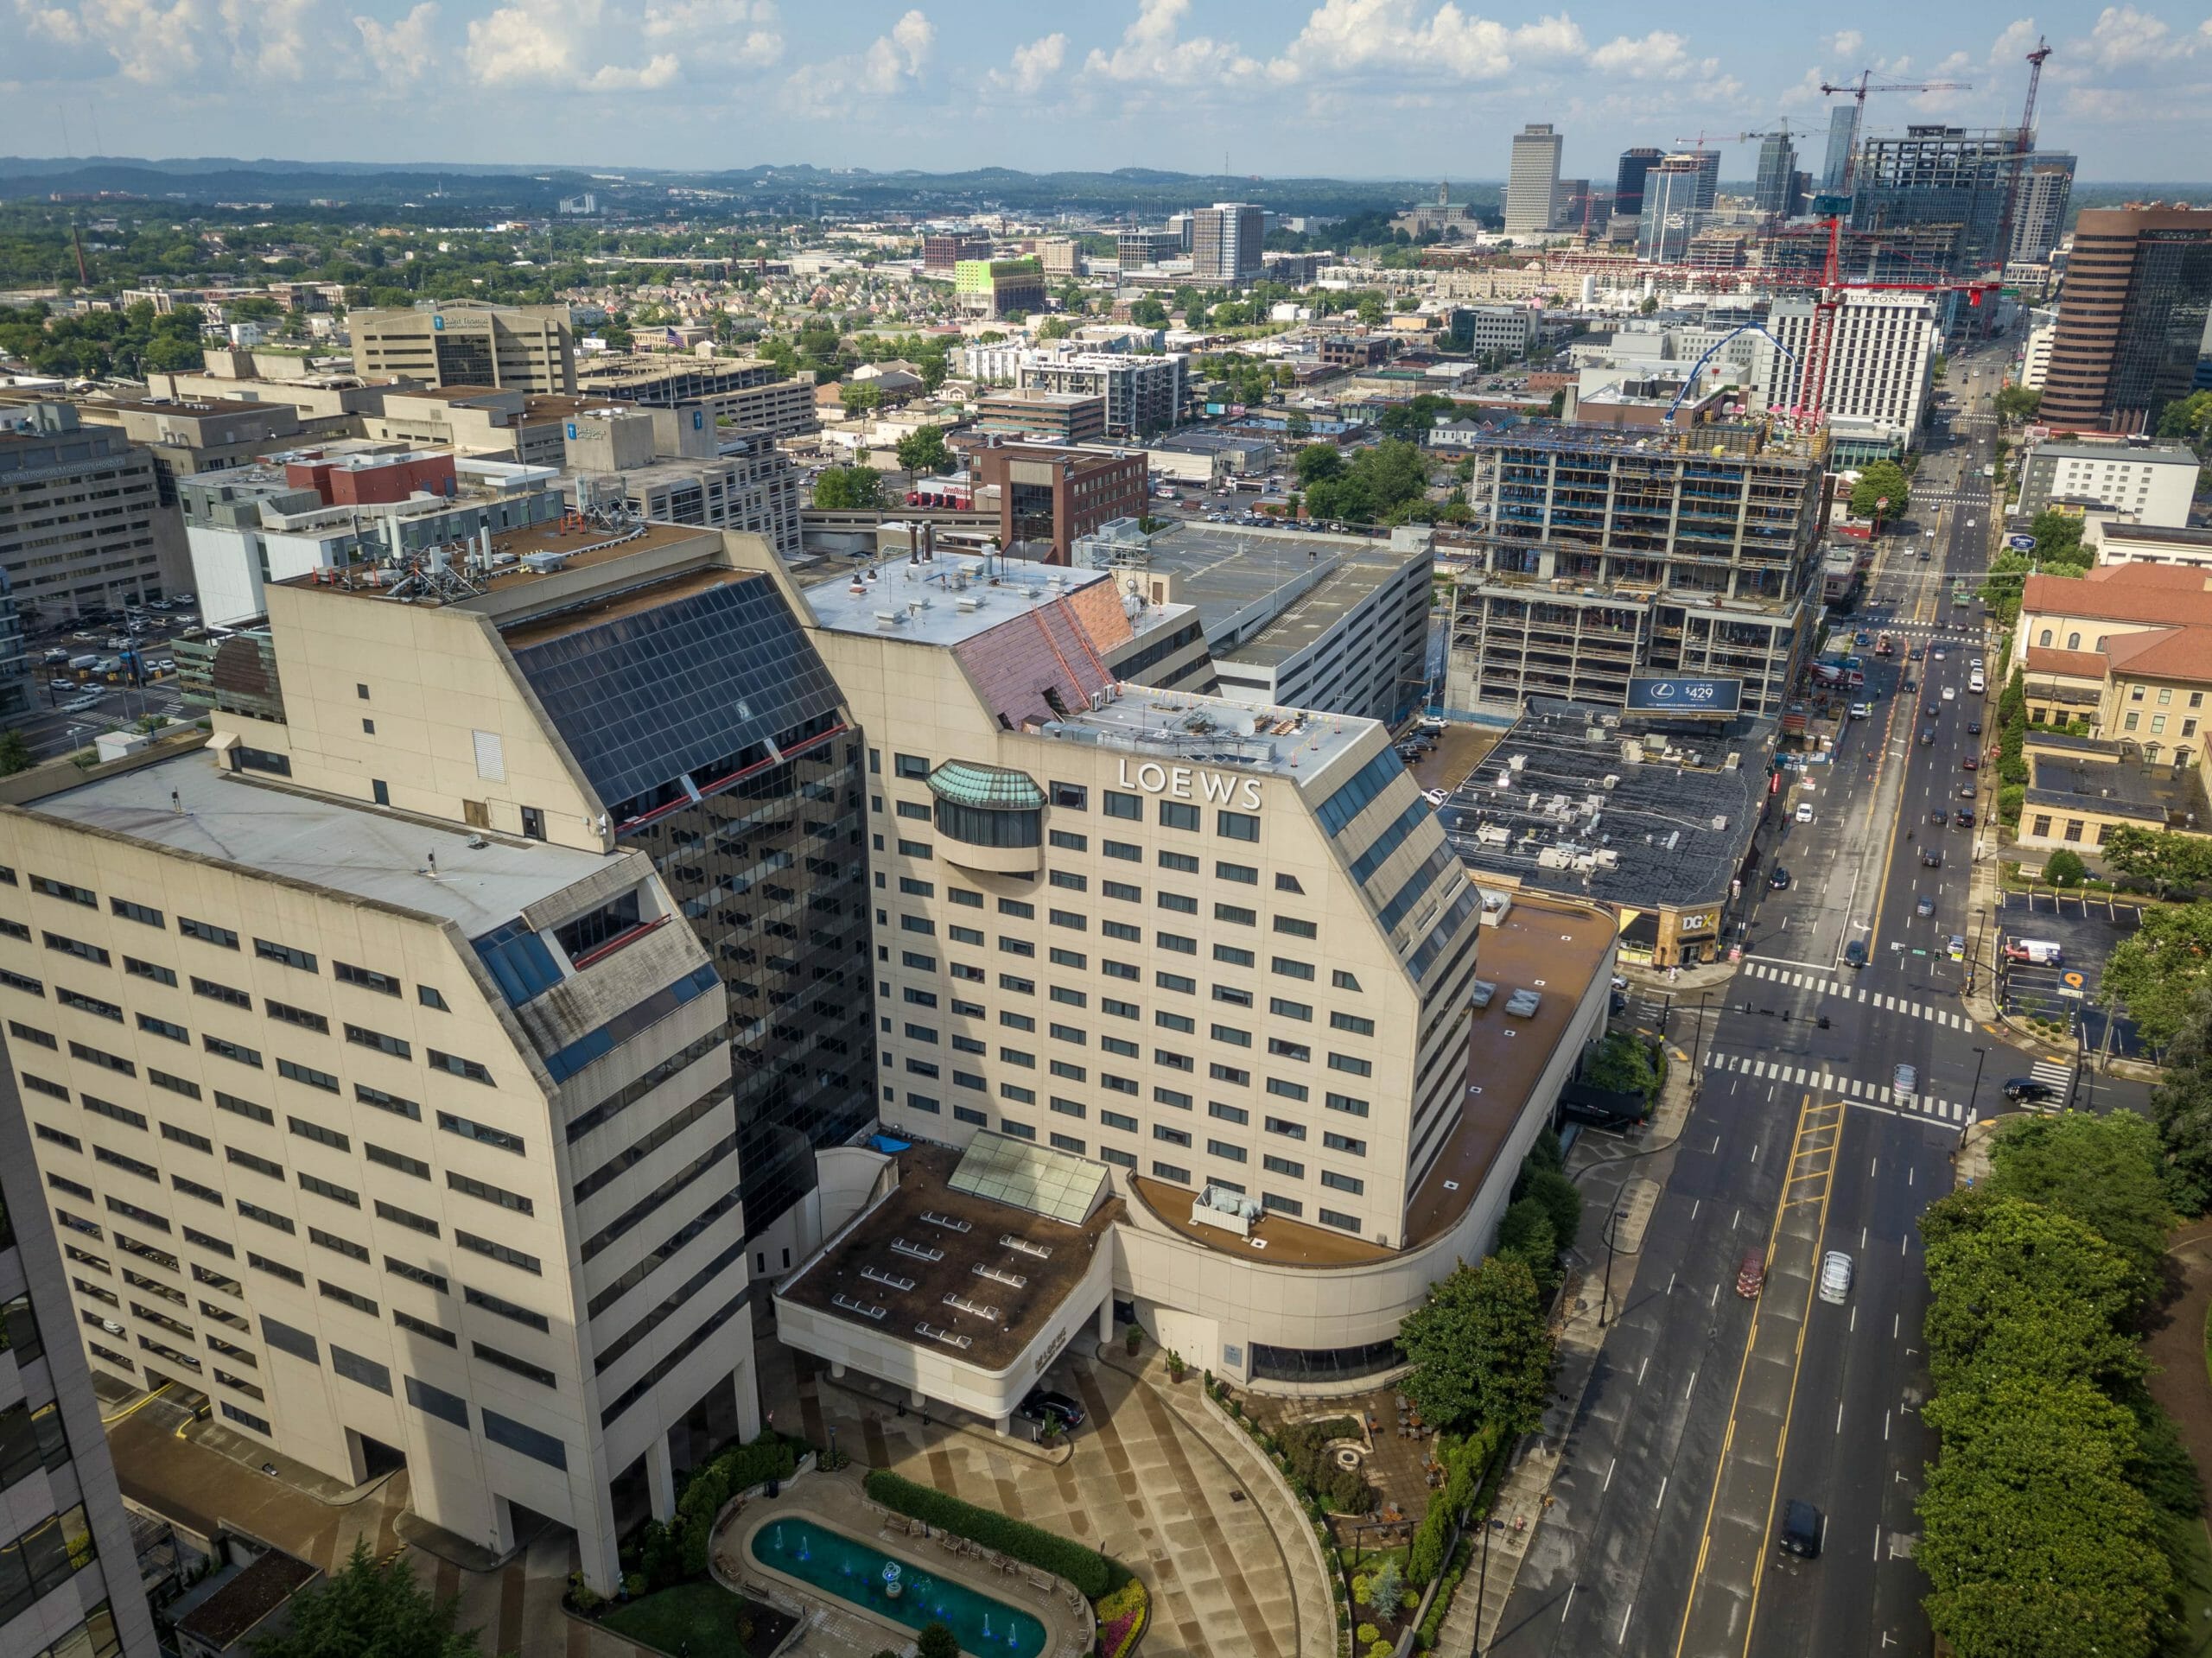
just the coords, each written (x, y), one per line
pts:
(2157, 969)
(2160, 856)
(1881, 480)
(848, 489)
(1386, 483)
(1480, 1350)
(370, 1609)
(923, 450)
(2181, 1105)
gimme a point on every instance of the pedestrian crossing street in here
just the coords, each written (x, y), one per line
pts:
(1821, 985)
(1827, 1082)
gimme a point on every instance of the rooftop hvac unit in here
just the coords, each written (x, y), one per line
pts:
(1609, 859)
(1518, 762)
(1480, 991)
(1632, 752)
(1522, 1004)
(1592, 803)
(1735, 758)
(1674, 839)
(1554, 857)
(1491, 834)
(1612, 780)
(1720, 824)
(1594, 734)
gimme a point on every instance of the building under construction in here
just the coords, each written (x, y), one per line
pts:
(1956, 179)
(1605, 554)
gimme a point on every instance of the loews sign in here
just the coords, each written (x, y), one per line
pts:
(1187, 783)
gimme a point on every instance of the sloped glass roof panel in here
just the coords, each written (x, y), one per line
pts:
(1056, 1185)
(647, 697)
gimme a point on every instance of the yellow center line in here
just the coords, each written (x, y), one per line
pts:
(1788, 1411)
(1720, 1468)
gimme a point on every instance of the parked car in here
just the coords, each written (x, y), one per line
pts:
(1043, 1405)
(1973, 727)
(1435, 797)
(1835, 1277)
(1966, 791)
(1971, 763)
(1966, 818)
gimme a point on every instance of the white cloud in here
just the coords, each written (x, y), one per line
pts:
(149, 42)
(565, 42)
(1152, 51)
(2015, 43)
(2123, 35)
(271, 37)
(895, 59)
(400, 51)
(1033, 65)
(1658, 56)
(1846, 44)
(1393, 37)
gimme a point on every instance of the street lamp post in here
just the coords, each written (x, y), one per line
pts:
(1612, 1228)
(1973, 1099)
(1697, 1043)
(1482, 1589)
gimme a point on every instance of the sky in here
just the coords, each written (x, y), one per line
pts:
(1346, 88)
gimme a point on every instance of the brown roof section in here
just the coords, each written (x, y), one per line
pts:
(2123, 592)
(923, 1191)
(2082, 664)
(582, 546)
(2167, 653)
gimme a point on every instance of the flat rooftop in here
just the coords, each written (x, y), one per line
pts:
(1245, 581)
(1177, 728)
(1013, 588)
(1652, 834)
(898, 1266)
(380, 856)
(580, 548)
(2125, 788)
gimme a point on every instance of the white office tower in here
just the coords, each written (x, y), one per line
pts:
(1878, 365)
(1532, 182)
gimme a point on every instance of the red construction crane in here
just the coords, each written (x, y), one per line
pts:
(2023, 143)
(1865, 84)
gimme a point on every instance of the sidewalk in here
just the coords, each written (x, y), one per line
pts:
(1580, 1332)
(1263, 1482)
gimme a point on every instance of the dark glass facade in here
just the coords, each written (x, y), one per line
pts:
(2154, 362)
(711, 730)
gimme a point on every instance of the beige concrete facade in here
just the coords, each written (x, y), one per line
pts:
(521, 347)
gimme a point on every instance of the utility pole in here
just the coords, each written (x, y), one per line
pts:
(1613, 1229)
(1973, 1099)
(1482, 1586)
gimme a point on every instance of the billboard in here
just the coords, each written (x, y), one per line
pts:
(1719, 698)
(2021, 544)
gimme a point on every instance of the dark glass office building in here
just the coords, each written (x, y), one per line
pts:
(713, 731)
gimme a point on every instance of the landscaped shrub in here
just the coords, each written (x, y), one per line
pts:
(1086, 1568)
(1304, 1448)
(1367, 1634)
(1121, 1618)
(744, 1466)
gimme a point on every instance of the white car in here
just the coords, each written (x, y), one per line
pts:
(1862, 710)
(1835, 1277)
(79, 705)
(1804, 811)
(1435, 797)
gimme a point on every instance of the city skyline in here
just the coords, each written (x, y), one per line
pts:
(1363, 83)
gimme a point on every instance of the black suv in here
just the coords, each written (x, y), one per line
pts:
(1799, 1533)
(2026, 1090)
(1043, 1406)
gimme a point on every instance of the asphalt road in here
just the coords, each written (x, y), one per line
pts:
(1707, 1411)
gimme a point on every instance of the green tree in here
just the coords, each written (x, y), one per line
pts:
(923, 450)
(2058, 540)
(2018, 402)
(860, 397)
(15, 753)
(937, 1641)
(1317, 461)
(848, 489)
(2157, 969)
(1879, 481)
(1369, 307)
(1650, 304)
(1479, 1348)
(2160, 856)
(2188, 418)
(2104, 1172)
(1525, 1235)
(1056, 327)
(370, 1609)
(1298, 426)
(1148, 312)
(2065, 868)
(1562, 1198)
(2182, 1107)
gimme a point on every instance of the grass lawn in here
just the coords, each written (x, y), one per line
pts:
(704, 1615)
(2194, 1568)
